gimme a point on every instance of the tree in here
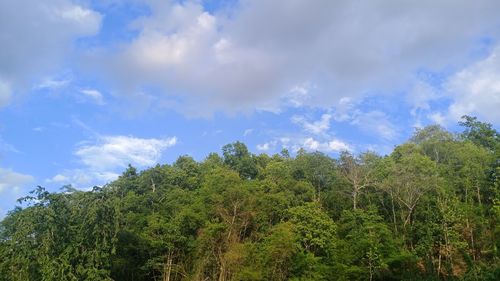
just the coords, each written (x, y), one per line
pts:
(237, 156)
(317, 168)
(358, 172)
(366, 245)
(428, 211)
(413, 176)
(480, 133)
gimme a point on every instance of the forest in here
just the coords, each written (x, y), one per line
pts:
(429, 210)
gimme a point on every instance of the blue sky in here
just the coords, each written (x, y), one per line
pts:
(87, 87)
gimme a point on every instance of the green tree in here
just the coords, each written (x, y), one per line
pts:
(237, 156)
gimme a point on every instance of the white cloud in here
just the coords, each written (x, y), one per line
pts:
(112, 152)
(316, 127)
(333, 145)
(36, 36)
(326, 144)
(83, 178)
(247, 132)
(105, 159)
(59, 179)
(95, 95)
(345, 109)
(337, 145)
(12, 186)
(50, 83)
(264, 147)
(298, 95)
(375, 122)
(7, 147)
(259, 52)
(86, 20)
(13, 181)
(437, 118)
(476, 90)
(420, 96)
(5, 92)
(369, 121)
(267, 146)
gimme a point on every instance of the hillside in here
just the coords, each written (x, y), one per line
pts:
(428, 211)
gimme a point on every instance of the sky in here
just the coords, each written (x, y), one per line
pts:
(90, 86)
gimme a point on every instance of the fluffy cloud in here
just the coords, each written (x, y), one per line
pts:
(59, 179)
(316, 127)
(266, 146)
(105, 159)
(476, 90)
(83, 178)
(35, 36)
(420, 97)
(333, 145)
(324, 144)
(437, 118)
(10, 180)
(375, 122)
(298, 95)
(118, 151)
(254, 54)
(11, 188)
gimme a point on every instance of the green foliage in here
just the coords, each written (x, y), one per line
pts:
(367, 245)
(315, 229)
(428, 211)
(237, 156)
(480, 133)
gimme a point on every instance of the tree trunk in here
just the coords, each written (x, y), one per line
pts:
(371, 269)
(153, 185)
(394, 213)
(355, 198)
(478, 195)
(439, 260)
(222, 274)
(168, 267)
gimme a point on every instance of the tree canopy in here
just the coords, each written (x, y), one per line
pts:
(430, 210)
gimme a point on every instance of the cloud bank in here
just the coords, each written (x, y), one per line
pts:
(12, 181)
(36, 36)
(259, 53)
(264, 55)
(105, 158)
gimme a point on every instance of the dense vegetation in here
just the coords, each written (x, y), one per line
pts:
(428, 211)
